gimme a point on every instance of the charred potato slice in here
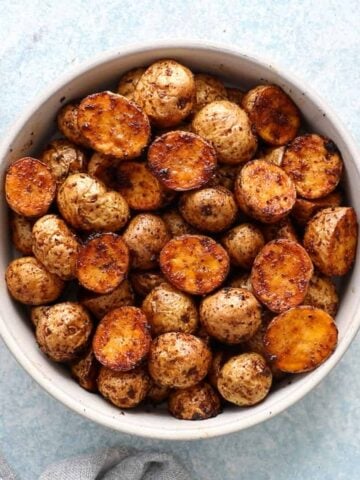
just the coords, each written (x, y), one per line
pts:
(300, 339)
(67, 122)
(144, 282)
(281, 274)
(282, 229)
(104, 168)
(208, 89)
(157, 393)
(274, 155)
(322, 294)
(194, 263)
(122, 339)
(128, 82)
(85, 370)
(242, 244)
(235, 95)
(21, 233)
(176, 224)
(305, 209)
(224, 176)
(195, 403)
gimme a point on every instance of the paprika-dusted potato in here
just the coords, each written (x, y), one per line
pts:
(30, 283)
(283, 229)
(235, 95)
(30, 187)
(264, 191)
(314, 164)
(304, 209)
(21, 233)
(274, 115)
(122, 339)
(231, 315)
(166, 92)
(322, 294)
(242, 280)
(55, 246)
(123, 389)
(102, 263)
(178, 360)
(144, 282)
(281, 274)
(194, 263)
(158, 393)
(245, 379)
(170, 310)
(228, 128)
(176, 224)
(113, 125)
(225, 176)
(145, 236)
(67, 122)
(243, 243)
(63, 331)
(300, 339)
(274, 155)
(182, 160)
(104, 168)
(86, 205)
(331, 238)
(194, 403)
(85, 370)
(208, 89)
(128, 82)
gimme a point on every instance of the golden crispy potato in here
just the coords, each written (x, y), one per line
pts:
(63, 331)
(274, 115)
(228, 128)
(30, 283)
(166, 92)
(208, 89)
(264, 191)
(158, 393)
(30, 187)
(322, 294)
(242, 280)
(235, 95)
(281, 274)
(123, 389)
(225, 176)
(145, 236)
(274, 155)
(21, 233)
(169, 310)
(128, 82)
(178, 360)
(144, 282)
(331, 238)
(194, 403)
(67, 122)
(176, 224)
(231, 315)
(314, 164)
(55, 246)
(305, 209)
(113, 125)
(283, 229)
(245, 379)
(210, 209)
(242, 244)
(182, 160)
(104, 168)
(85, 370)
(122, 339)
(194, 263)
(102, 263)
(300, 339)
(86, 205)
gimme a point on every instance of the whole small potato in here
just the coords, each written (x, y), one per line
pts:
(85, 370)
(21, 236)
(208, 89)
(67, 122)
(243, 243)
(245, 379)
(176, 224)
(170, 310)
(63, 331)
(195, 403)
(178, 360)
(144, 282)
(128, 82)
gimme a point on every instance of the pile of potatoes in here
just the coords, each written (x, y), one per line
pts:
(179, 241)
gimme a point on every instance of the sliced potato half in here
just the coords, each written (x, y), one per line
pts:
(304, 209)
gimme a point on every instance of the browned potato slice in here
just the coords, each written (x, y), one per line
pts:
(85, 371)
(314, 164)
(322, 294)
(21, 233)
(264, 191)
(208, 89)
(122, 339)
(182, 160)
(194, 263)
(29, 282)
(242, 280)
(29, 187)
(274, 115)
(128, 82)
(225, 176)
(235, 95)
(144, 282)
(331, 239)
(113, 125)
(305, 209)
(176, 224)
(274, 155)
(158, 393)
(300, 339)
(178, 360)
(194, 403)
(67, 122)
(104, 168)
(282, 229)
(243, 243)
(281, 274)
(102, 263)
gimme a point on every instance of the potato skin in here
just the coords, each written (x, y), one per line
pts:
(128, 82)
(198, 402)
(322, 294)
(178, 360)
(208, 89)
(21, 233)
(283, 229)
(85, 371)
(243, 243)
(144, 282)
(67, 122)
(30, 283)
(176, 224)
(305, 209)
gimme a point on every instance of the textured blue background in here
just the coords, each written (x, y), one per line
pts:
(319, 438)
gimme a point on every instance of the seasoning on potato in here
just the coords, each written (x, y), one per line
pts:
(67, 122)
(144, 282)
(243, 243)
(208, 89)
(176, 224)
(283, 229)
(304, 209)
(21, 233)
(194, 403)
(128, 82)
(322, 294)
(85, 370)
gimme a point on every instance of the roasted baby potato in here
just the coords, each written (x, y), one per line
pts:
(144, 282)
(264, 191)
(21, 233)
(242, 280)
(158, 393)
(225, 176)
(104, 168)
(176, 224)
(208, 89)
(274, 115)
(178, 360)
(305, 209)
(235, 95)
(314, 164)
(29, 282)
(300, 339)
(331, 238)
(30, 187)
(228, 128)
(85, 370)
(274, 155)
(245, 379)
(194, 403)
(128, 82)
(283, 229)
(67, 122)
(122, 339)
(322, 294)
(170, 310)
(63, 331)
(194, 263)
(242, 244)
(281, 274)
(166, 93)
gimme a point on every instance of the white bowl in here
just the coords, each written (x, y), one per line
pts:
(37, 125)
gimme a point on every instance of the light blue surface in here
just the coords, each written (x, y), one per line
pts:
(317, 439)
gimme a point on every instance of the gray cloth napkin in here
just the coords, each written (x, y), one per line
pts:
(110, 464)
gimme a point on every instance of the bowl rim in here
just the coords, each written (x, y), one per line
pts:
(148, 431)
